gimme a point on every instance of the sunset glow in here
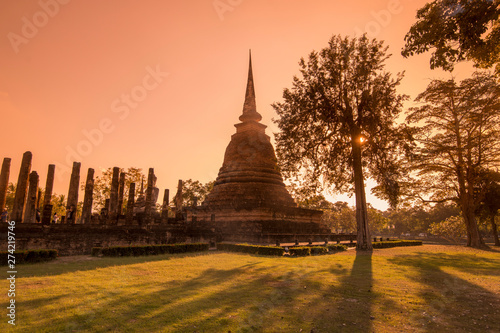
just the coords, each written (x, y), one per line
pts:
(161, 83)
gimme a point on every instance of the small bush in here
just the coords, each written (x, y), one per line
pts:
(28, 257)
(96, 251)
(336, 247)
(252, 249)
(388, 244)
(300, 251)
(143, 250)
(319, 250)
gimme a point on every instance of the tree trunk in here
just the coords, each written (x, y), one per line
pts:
(495, 231)
(364, 242)
(474, 238)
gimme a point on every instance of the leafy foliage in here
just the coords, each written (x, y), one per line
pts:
(124, 251)
(389, 244)
(319, 250)
(252, 249)
(11, 193)
(300, 251)
(338, 121)
(452, 229)
(342, 96)
(58, 203)
(417, 219)
(457, 30)
(29, 257)
(336, 247)
(194, 190)
(459, 135)
(343, 217)
(102, 185)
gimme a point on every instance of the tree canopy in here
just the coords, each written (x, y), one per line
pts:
(457, 30)
(337, 122)
(458, 136)
(194, 190)
(102, 185)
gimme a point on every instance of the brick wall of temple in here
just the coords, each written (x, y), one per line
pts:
(79, 239)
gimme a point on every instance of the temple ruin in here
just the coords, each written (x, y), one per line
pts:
(249, 202)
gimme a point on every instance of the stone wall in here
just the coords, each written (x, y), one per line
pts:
(76, 239)
(269, 232)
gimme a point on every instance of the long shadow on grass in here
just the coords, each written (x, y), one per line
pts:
(452, 303)
(344, 299)
(217, 300)
(86, 263)
(354, 312)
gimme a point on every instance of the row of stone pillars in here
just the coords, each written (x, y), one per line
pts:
(26, 207)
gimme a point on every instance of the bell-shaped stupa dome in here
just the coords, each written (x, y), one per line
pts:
(249, 177)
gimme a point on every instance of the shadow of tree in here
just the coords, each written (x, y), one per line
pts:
(259, 294)
(449, 299)
(86, 263)
(247, 298)
(347, 306)
(216, 299)
(468, 263)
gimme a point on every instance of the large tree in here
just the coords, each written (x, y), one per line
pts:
(458, 135)
(337, 123)
(457, 30)
(102, 185)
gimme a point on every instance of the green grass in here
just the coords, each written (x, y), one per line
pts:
(415, 289)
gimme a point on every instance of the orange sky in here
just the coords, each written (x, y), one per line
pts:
(159, 83)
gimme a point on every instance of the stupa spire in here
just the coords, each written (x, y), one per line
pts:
(249, 107)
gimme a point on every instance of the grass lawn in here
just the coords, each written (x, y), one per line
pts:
(430, 288)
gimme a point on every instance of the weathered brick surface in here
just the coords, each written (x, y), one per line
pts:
(75, 239)
(249, 196)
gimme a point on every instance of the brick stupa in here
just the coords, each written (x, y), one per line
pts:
(249, 201)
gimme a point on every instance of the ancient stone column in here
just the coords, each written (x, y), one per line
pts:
(121, 190)
(88, 197)
(38, 198)
(72, 203)
(22, 188)
(178, 200)
(148, 210)
(49, 184)
(30, 211)
(164, 207)
(4, 182)
(104, 217)
(130, 204)
(113, 196)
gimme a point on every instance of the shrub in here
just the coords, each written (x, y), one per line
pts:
(96, 251)
(300, 251)
(141, 250)
(388, 244)
(319, 250)
(252, 249)
(336, 247)
(28, 257)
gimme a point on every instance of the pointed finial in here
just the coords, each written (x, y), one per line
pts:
(249, 107)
